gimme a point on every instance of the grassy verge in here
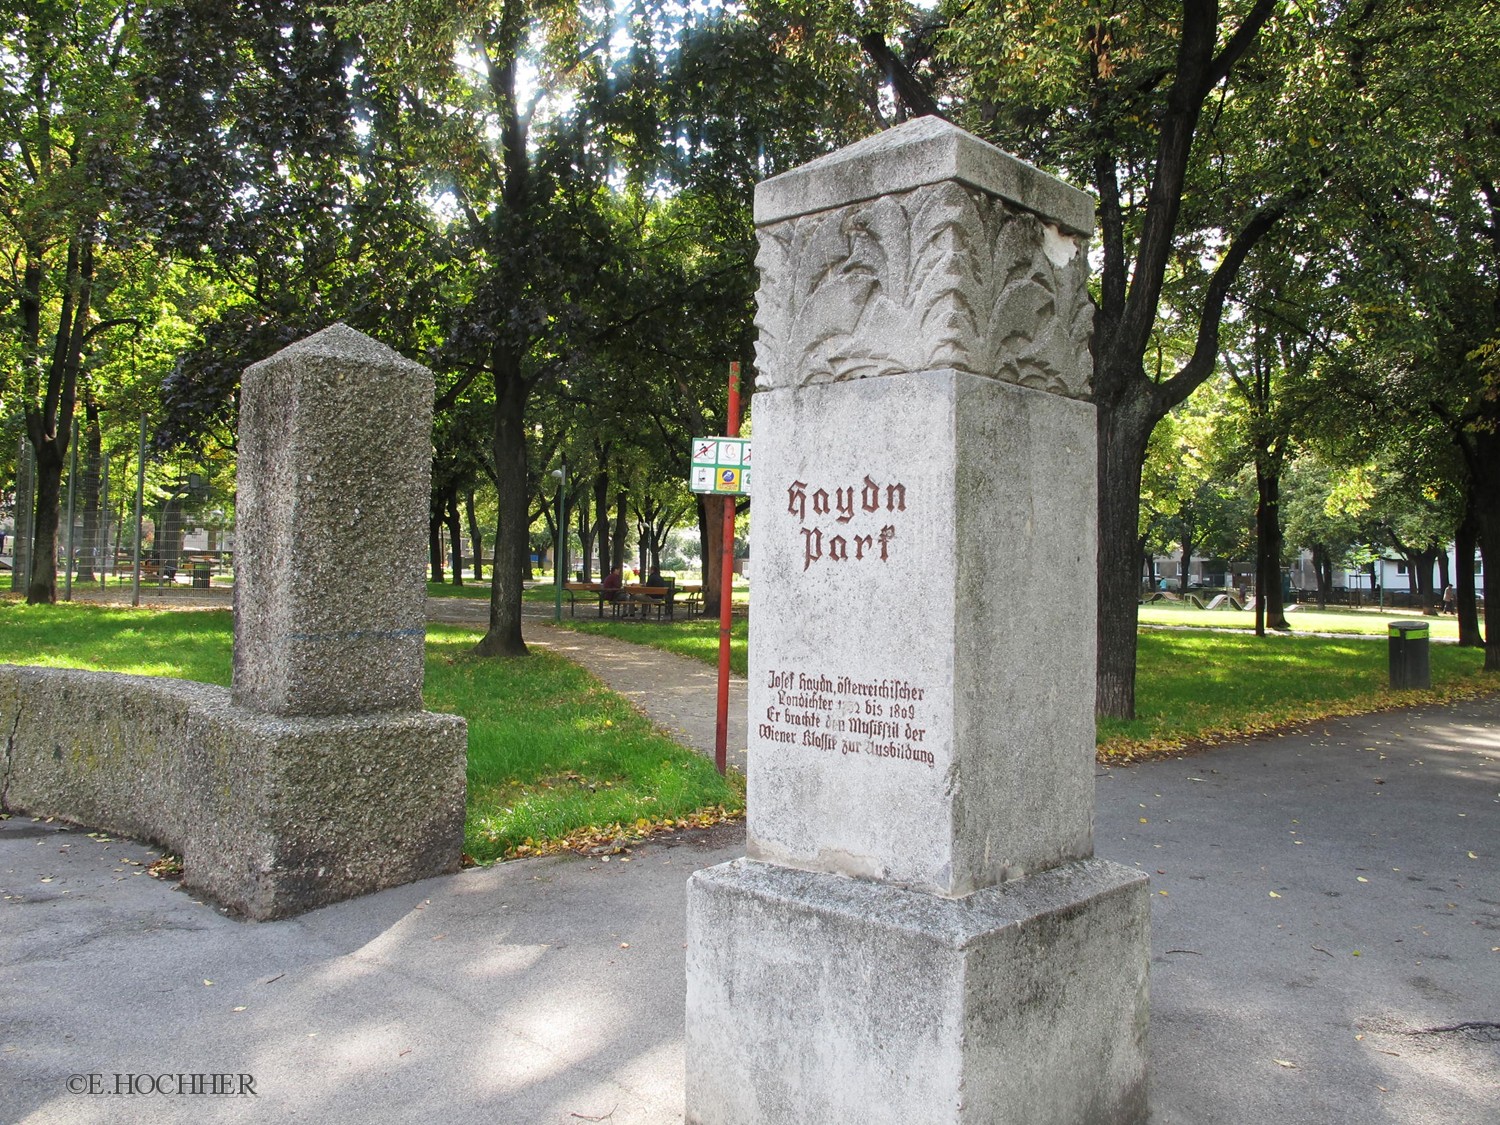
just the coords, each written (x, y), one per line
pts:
(1302, 620)
(1204, 687)
(556, 760)
(697, 637)
(1192, 685)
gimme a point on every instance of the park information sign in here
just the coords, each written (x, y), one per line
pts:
(721, 465)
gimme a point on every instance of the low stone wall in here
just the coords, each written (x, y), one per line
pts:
(271, 815)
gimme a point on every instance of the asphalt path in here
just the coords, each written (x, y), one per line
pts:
(1325, 949)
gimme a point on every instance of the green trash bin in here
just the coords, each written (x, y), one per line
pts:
(202, 575)
(1410, 666)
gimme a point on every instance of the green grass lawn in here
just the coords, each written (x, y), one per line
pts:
(1194, 685)
(555, 759)
(697, 637)
(1197, 685)
(1302, 619)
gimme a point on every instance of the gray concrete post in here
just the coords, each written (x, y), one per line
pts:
(920, 932)
(335, 461)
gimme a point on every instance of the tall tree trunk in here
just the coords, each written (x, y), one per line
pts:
(1268, 544)
(1489, 532)
(92, 547)
(1323, 571)
(455, 535)
(1123, 433)
(512, 542)
(46, 518)
(1426, 563)
(435, 538)
(1465, 542)
(711, 538)
(585, 541)
(601, 522)
(475, 538)
(619, 532)
(49, 426)
(1187, 561)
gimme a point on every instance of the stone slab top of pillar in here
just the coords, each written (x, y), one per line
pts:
(335, 465)
(927, 150)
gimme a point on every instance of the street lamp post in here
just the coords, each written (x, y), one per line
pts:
(558, 567)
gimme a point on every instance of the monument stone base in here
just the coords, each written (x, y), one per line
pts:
(272, 816)
(816, 997)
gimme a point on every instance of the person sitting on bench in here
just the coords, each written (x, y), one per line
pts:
(610, 587)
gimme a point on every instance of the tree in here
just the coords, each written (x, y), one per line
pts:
(259, 166)
(1418, 277)
(69, 117)
(1319, 517)
(1200, 132)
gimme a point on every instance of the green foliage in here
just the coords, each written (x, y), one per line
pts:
(1192, 498)
(1323, 509)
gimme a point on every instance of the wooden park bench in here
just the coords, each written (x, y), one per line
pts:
(585, 591)
(641, 600)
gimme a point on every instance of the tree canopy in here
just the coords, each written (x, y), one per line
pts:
(548, 203)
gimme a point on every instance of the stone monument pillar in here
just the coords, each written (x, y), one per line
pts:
(364, 789)
(330, 592)
(920, 932)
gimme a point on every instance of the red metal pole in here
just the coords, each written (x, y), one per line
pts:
(726, 590)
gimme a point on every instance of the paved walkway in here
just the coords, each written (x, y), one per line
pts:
(1325, 950)
(677, 693)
